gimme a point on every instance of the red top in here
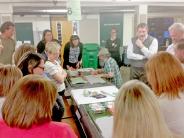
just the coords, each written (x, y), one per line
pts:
(46, 130)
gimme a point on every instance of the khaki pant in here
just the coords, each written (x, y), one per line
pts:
(138, 73)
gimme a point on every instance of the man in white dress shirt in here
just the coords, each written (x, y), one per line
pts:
(176, 32)
(140, 48)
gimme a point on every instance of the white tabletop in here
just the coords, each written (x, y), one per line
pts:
(79, 97)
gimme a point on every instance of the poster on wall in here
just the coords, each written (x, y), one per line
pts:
(75, 27)
(107, 22)
(59, 31)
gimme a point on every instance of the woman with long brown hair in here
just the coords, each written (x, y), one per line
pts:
(166, 77)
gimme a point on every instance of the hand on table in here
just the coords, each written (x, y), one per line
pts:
(94, 72)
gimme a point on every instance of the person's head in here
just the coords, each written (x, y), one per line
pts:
(113, 33)
(32, 99)
(176, 32)
(47, 36)
(137, 113)
(179, 50)
(142, 31)
(31, 63)
(7, 29)
(53, 50)
(103, 54)
(165, 74)
(9, 74)
(21, 50)
(74, 40)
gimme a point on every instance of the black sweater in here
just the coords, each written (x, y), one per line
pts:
(67, 52)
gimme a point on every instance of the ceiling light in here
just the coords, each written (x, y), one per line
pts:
(55, 11)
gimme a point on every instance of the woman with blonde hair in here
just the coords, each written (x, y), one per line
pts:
(9, 74)
(29, 114)
(166, 77)
(53, 69)
(137, 113)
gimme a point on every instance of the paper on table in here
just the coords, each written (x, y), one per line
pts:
(86, 69)
(105, 123)
(78, 80)
(79, 97)
(92, 79)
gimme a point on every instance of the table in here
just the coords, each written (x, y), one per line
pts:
(98, 125)
(94, 125)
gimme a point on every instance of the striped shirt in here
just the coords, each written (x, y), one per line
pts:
(50, 70)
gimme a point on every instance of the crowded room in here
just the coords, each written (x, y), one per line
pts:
(91, 69)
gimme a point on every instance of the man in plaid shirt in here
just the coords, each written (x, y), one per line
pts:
(110, 69)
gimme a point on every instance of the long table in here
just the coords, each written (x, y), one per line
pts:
(94, 123)
(91, 124)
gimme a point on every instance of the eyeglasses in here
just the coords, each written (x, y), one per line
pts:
(40, 67)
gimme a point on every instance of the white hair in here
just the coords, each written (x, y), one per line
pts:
(178, 27)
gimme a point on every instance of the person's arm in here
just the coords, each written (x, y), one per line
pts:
(148, 52)
(59, 77)
(52, 70)
(131, 54)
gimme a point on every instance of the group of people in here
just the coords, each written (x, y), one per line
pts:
(157, 112)
(31, 90)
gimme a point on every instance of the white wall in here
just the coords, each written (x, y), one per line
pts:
(89, 29)
(40, 23)
(128, 28)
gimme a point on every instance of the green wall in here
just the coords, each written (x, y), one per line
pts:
(107, 21)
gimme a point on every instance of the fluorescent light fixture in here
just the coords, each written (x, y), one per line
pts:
(55, 11)
(127, 10)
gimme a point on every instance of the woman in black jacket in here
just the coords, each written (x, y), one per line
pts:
(73, 53)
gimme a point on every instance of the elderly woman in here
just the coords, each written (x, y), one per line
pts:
(166, 77)
(73, 53)
(30, 111)
(53, 69)
(137, 113)
(110, 69)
